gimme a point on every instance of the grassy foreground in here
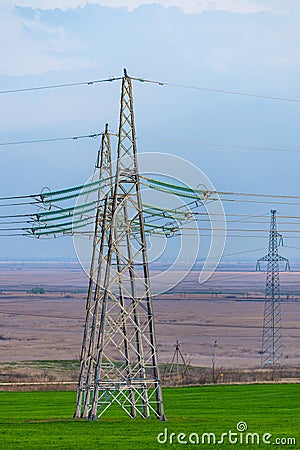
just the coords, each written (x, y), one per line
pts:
(42, 420)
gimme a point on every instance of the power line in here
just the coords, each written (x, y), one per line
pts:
(194, 193)
(39, 141)
(46, 197)
(47, 316)
(13, 234)
(20, 203)
(16, 221)
(241, 253)
(210, 192)
(222, 91)
(178, 234)
(95, 135)
(233, 229)
(17, 215)
(149, 183)
(216, 325)
(54, 86)
(264, 202)
(157, 214)
(197, 324)
(58, 227)
(160, 83)
(242, 221)
(245, 194)
(289, 246)
(190, 214)
(194, 205)
(30, 216)
(222, 145)
(243, 236)
(178, 231)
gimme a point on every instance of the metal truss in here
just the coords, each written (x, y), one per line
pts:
(271, 351)
(105, 172)
(119, 353)
(174, 368)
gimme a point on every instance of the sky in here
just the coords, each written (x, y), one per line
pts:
(188, 6)
(236, 45)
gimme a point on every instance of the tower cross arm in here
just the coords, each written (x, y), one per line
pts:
(287, 263)
(264, 258)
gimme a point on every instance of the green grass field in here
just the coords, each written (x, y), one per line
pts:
(42, 420)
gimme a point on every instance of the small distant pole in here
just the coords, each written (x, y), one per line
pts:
(177, 349)
(214, 361)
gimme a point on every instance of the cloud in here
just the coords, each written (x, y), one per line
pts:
(188, 6)
(279, 6)
(39, 41)
(29, 46)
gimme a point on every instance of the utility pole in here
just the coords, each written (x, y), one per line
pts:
(214, 362)
(271, 350)
(119, 354)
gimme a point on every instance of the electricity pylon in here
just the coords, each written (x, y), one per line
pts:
(119, 353)
(271, 337)
(92, 305)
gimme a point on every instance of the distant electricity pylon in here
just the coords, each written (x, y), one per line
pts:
(177, 355)
(119, 353)
(271, 351)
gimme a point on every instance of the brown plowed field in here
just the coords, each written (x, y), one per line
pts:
(228, 308)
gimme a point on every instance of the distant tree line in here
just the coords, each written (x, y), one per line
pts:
(36, 290)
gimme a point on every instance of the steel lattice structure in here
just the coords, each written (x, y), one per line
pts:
(175, 363)
(92, 305)
(271, 350)
(119, 362)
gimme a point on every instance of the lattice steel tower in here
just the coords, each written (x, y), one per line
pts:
(177, 355)
(119, 352)
(271, 350)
